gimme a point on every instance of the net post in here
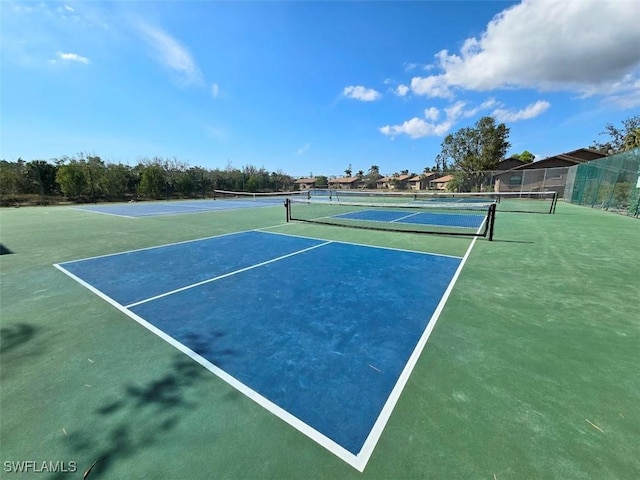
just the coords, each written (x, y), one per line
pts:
(554, 201)
(492, 218)
(287, 206)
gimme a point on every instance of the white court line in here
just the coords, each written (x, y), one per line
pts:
(383, 418)
(219, 277)
(187, 210)
(406, 216)
(271, 407)
(101, 213)
(155, 246)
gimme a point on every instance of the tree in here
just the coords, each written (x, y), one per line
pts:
(118, 181)
(280, 181)
(472, 150)
(186, 183)
(72, 179)
(252, 184)
(153, 181)
(9, 178)
(618, 136)
(94, 172)
(372, 176)
(348, 171)
(526, 156)
(476, 149)
(632, 139)
(43, 176)
(441, 162)
(198, 176)
(321, 181)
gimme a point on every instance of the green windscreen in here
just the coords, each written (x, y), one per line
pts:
(610, 183)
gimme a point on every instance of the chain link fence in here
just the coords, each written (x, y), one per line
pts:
(610, 183)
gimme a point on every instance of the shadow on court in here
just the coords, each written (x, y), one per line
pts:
(136, 421)
(202, 344)
(13, 337)
(4, 250)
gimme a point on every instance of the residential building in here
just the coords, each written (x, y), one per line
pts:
(345, 183)
(305, 183)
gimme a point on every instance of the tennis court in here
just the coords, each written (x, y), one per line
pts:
(179, 207)
(233, 344)
(329, 375)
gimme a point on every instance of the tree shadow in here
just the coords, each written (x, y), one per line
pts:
(205, 346)
(137, 419)
(14, 336)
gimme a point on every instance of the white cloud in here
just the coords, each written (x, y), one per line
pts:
(428, 125)
(530, 111)
(361, 93)
(401, 90)
(624, 94)
(172, 54)
(303, 149)
(583, 46)
(69, 9)
(71, 57)
(431, 113)
(432, 86)
(425, 127)
(486, 105)
(215, 90)
(626, 100)
(415, 128)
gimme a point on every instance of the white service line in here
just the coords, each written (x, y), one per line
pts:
(79, 209)
(406, 216)
(219, 277)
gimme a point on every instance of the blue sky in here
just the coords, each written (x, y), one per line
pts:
(310, 87)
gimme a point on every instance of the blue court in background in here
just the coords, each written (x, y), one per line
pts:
(321, 329)
(447, 219)
(152, 209)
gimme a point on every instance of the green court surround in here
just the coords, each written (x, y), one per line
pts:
(530, 373)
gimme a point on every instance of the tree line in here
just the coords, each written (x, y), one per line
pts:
(88, 178)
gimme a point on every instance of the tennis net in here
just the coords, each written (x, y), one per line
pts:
(272, 197)
(521, 202)
(472, 219)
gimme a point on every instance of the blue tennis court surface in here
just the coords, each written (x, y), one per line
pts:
(151, 209)
(421, 218)
(319, 332)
